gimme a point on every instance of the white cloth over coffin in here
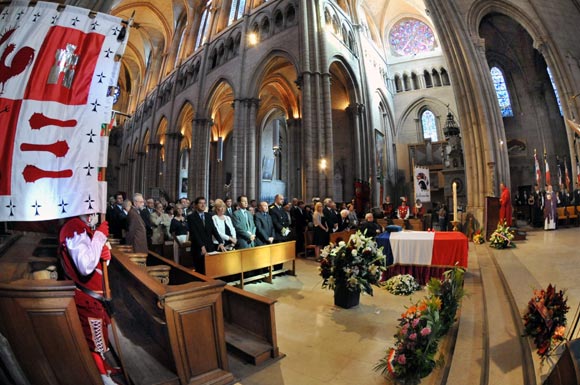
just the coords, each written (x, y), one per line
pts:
(412, 247)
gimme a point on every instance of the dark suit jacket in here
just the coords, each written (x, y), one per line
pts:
(343, 224)
(264, 228)
(372, 229)
(299, 219)
(200, 235)
(331, 218)
(280, 220)
(117, 221)
(146, 215)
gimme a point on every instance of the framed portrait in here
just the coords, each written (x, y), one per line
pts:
(267, 168)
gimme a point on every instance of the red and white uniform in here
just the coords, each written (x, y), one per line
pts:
(403, 212)
(81, 252)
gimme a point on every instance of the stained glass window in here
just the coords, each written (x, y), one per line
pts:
(429, 125)
(555, 91)
(411, 36)
(203, 26)
(503, 97)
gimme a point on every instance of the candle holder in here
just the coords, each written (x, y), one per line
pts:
(455, 227)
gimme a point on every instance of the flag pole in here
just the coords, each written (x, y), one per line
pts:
(108, 296)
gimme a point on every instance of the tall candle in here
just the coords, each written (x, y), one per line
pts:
(454, 201)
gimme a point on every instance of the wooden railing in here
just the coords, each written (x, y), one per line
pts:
(246, 260)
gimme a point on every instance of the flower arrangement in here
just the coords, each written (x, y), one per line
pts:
(478, 238)
(402, 284)
(502, 237)
(450, 291)
(356, 264)
(413, 356)
(419, 330)
(545, 319)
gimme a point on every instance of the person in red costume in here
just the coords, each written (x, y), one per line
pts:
(83, 252)
(505, 201)
(403, 210)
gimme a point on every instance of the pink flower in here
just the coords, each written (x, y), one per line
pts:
(416, 322)
(413, 337)
(401, 359)
(404, 329)
(425, 331)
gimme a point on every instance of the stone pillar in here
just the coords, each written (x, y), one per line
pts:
(152, 168)
(295, 144)
(132, 174)
(140, 172)
(170, 176)
(198, 176)
(123, 176)
(238, 144)
(252, 158)
(479, 113)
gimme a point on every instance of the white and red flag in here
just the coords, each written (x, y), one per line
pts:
(55, 70)
(537, 168)
(547, 168)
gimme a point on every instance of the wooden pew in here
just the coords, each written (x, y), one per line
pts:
(250, 325)
(341, 236)
(245, 260)
(175, 332)
(189, 328)
(39, 319)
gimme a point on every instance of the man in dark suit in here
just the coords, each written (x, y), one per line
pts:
(244, 224)
(229, 207)
(370, 228)
(201, 230)
(344, 221)
(300, 222)
(117, 217)
(330, 215)
(280, 219)
(264, 226)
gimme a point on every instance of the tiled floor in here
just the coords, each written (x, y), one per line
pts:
(324, 344)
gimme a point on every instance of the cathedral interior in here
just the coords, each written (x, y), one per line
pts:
(343, 99)
(219, 98)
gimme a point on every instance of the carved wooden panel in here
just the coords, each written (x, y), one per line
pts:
(45, 333)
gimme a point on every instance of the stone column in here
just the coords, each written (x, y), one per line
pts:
(295, 144)
(479, 113)
(198, 176)
(152, 168)
(132, 174)
(140, 171)
(252, 158)
(170, 176)
(123, 177)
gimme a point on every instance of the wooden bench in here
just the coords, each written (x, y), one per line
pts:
(39, 320)
(250, 325)
(246, 260)
(341, 236)
(561, 215)
(308, 244)
(221, 314)
(572, 214)
(171, 334)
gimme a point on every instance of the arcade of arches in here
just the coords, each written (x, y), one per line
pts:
(308, 97)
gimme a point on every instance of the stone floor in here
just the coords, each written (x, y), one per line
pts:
(325, 344)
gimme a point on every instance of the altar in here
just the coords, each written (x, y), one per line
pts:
(423, 254)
